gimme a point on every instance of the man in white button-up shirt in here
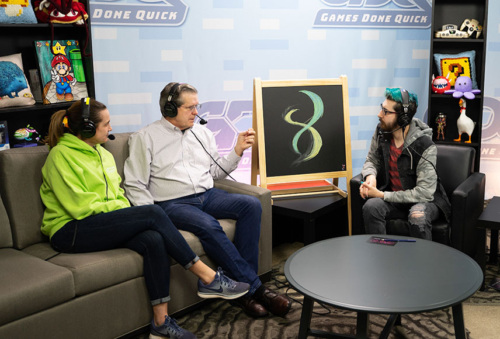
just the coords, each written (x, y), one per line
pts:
(173, 162)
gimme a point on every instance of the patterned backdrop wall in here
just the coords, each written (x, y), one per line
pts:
(490, 143)
(220, 46)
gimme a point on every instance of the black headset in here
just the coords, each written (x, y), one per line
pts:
(88, 126)
(170, 107)
(404, 118)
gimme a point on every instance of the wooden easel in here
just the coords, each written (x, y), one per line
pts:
(286, 185)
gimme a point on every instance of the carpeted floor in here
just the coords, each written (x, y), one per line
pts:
(220, 319)
(482, 310)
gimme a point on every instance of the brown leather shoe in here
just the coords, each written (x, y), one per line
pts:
(251, 306)
(277, 304)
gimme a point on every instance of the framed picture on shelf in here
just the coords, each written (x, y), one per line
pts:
(61, 71)
(4, 136)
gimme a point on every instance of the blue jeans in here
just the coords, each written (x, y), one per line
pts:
(198, 214)
(420, 216)
(146, 230)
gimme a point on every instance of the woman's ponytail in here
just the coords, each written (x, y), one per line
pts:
(56, 128)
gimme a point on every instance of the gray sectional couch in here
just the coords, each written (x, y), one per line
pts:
(44, 294)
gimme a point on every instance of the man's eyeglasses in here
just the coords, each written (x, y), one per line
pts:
(386, 111)
(192, 108)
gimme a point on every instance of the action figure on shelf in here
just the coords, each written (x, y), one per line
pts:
(441, 124)
(464, 123)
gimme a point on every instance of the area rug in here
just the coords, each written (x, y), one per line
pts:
(488, 296)
(220, 319)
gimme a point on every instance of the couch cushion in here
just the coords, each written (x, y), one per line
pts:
(30, 285)
(97, 270)
(119, 149)
(20, 180)
(5, 234)
(41, 250)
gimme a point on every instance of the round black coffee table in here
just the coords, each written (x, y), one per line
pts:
(410, 277)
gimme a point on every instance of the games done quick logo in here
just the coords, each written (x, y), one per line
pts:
(138, 12)
(375, 14)
(226, 120)
(490, 136)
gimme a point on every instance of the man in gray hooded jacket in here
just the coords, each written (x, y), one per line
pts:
(399, 175)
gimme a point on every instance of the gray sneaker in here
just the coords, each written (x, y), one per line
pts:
(169, 329)
(222, 287)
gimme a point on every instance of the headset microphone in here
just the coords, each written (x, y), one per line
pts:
(389, 132)
(111, 137)
(202, 121)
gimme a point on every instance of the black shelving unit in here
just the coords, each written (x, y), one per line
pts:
(455, 12)
(19, 38)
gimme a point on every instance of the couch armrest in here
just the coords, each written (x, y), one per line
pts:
(467, 202)
(266, 228)
(356, 205)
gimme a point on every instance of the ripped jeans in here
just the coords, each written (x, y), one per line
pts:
(420, 216)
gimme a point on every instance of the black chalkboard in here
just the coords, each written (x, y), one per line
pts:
(303, 130)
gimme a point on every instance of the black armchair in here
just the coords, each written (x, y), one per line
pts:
(465, 189)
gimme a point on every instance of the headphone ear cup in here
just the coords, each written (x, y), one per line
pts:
(403, 119)
(170, 109)
(88, 129)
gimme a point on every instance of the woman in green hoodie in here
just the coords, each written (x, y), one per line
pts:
(86, 211)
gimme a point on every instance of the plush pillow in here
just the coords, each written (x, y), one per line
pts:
(14, 88)
(17, 12)
(456, 65)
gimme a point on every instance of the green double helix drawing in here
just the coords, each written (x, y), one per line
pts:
(315, 142)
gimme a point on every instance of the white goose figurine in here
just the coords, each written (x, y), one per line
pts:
(464, 123)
